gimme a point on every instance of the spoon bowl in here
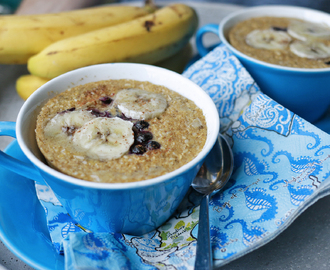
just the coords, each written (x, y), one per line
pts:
(213, 176)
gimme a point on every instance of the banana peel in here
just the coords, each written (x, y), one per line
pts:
(148, 39)
(27, 84)
(23, 36)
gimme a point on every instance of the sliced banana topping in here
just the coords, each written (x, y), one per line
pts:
(140, 104)
(269, 39)
(310, 50)
(304, 30)
(66, 123)
(104, 138)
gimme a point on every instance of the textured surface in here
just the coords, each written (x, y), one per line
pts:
(304, 245)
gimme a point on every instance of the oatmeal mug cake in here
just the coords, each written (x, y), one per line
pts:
(117, 131)
(283, 41)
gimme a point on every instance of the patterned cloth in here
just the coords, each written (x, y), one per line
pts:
(282, 165)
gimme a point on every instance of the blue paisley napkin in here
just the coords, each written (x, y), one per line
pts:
(282, 166)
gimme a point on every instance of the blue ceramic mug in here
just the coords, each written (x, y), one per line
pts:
(132, 208)
(303, 91)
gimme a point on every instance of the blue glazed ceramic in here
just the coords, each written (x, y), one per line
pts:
(303, 91)
(132, 208)
(23, 227)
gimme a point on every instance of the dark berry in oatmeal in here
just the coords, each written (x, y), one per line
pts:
(153, 145)
(143, 137)
(138, 149)
(99, 113)
(124, 117)
(140, 125)
(106, 100)
(68, 110)
(276, 28)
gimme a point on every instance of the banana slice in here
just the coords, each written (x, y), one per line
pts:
(140, 104)
(310, 50)
(269, 39)
(66, 123)
(104, 138)
(304, 30)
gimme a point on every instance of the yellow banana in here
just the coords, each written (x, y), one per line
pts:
(22, 36)
(148, 39)
(27, 84)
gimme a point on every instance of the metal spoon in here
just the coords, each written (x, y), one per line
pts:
(213, 176)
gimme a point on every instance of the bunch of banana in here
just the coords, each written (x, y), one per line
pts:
(148, 39)
(22, 36)
(160, 38)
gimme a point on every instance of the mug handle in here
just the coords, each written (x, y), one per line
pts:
(208, 28)
(13, 164)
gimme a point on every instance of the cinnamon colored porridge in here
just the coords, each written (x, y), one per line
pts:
(119, 131)
(283, 41)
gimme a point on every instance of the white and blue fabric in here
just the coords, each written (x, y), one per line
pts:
(282, 165)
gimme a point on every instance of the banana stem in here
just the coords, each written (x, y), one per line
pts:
(150, 4)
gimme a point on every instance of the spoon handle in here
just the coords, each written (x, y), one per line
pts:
(203, 252)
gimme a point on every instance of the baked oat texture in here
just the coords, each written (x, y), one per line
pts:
(181, 131)
(284, 57)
